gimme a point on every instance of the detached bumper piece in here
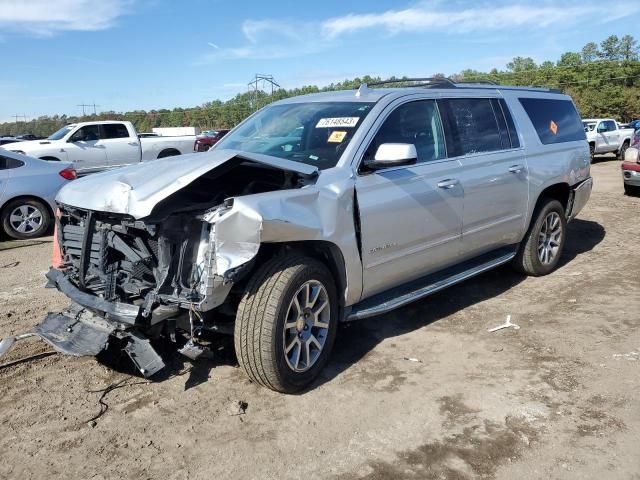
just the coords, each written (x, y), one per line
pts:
(79, 332)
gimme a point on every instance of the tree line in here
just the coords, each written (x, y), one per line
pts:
(603, 79)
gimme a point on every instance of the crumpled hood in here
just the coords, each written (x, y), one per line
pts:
(137, 189)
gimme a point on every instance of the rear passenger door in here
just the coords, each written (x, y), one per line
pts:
(481, 134)
(410, 216)
(121, 148)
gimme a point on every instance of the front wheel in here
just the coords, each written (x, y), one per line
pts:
(286, 323)
(543, 243)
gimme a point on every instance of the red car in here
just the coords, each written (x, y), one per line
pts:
(631, 169)
(208, 139)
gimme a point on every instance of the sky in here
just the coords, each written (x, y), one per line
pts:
(141, 54)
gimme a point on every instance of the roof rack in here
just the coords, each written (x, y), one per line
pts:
(418, 82)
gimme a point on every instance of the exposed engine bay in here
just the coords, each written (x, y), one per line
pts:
(156, 276)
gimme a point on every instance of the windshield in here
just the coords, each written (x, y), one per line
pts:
(311, 133)
(589, 126)
(61, 133)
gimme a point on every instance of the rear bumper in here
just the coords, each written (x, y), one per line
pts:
(581, 194)
(116, 311)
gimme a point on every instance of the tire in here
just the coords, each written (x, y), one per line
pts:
(592, 151)
(26, 218)
(623, 149)
(539, 256)
(269, 351)
(631, 190)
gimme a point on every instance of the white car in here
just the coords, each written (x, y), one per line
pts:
(605, 136)
(28, 187)
(94, 146)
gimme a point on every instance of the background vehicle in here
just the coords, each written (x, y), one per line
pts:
(631, 170)
(29, 136)
(318, 209)
(8, 140)
(28, 187)
(604, 136)
(208, 139)
(94, 146)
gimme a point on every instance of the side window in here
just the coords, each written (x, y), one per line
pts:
(417, 123)
(87, 133)
(555, 121)
(115, 130)
(611, 126)
(7, 163)
(602, 127)
(471, 126)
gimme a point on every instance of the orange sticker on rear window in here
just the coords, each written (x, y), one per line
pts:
(553, 126)
(337, 136)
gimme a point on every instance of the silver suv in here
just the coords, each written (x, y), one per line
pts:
(316, 210)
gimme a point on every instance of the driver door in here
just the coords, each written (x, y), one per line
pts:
(410, 216)
(86, 149)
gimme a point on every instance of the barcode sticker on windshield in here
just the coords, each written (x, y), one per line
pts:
(339, 122)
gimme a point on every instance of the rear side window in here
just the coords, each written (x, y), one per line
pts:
(513, 133)
(115, 130)
(471, 126)
(555, 121)
(7, 163)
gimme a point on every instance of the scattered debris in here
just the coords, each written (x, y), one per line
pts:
(506, 324)
(10, 265)
(410, 359)
(7, 342)
(238, 408)
(631, 356)
(572, 300)
(92, 423)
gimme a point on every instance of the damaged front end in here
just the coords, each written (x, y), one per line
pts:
(169, 274)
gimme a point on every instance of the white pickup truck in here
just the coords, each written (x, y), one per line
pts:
(605, 136)
(95, 146)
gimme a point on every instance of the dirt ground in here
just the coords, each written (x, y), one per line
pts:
(423, 393)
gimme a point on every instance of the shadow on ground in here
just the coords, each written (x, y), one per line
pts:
(355, 340)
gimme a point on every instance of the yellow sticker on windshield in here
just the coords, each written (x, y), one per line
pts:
(553, 126)
(337, 136)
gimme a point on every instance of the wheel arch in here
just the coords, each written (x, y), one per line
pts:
(322, 250)
(168, 152)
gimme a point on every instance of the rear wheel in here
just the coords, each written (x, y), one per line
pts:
(542, 246)
(592, 151)
(623, 150)
(286, 323)
(25, 218)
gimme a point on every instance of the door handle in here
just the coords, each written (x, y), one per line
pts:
(133, 144)
(516, 168)
(448, 183)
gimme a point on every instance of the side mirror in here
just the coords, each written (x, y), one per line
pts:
(393, 155)
(632, 155)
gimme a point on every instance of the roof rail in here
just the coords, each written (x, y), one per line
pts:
(419, 82)
(477, 82)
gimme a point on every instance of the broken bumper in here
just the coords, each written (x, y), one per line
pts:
(80, 333)
(120, 312)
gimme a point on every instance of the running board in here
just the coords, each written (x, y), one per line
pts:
(400, 296)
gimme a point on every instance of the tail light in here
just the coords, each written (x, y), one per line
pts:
(68, 173)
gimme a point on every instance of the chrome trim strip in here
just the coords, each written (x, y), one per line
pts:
(428, 290)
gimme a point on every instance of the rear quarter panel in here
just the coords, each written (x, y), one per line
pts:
(152, 146)
(560, 163)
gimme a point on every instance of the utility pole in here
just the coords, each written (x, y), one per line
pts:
(86, 105)
(257, 85)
